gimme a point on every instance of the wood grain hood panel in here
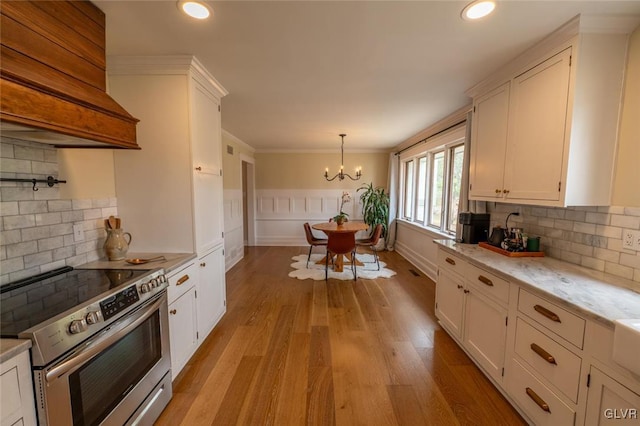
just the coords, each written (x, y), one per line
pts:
(53, 77)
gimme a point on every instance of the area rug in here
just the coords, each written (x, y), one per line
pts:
(316, 272)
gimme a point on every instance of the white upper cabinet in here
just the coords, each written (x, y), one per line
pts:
(170, 193)
(537, 123)
(545, 125)
(489, 127)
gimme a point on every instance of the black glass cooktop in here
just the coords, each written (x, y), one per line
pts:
(28, 302)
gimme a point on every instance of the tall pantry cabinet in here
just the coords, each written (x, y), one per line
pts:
(170, 193)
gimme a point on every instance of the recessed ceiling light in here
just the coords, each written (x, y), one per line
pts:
(478, 9)
(195, 9)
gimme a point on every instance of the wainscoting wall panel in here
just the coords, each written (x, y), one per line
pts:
(281, 213)
(233, 232)
(416, 245)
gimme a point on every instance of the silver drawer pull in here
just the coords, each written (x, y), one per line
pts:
(543, 354)
(547, 313)
(485, 280)
(543, 405)
(450, 261)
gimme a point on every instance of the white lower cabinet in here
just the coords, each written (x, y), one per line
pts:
(17, 405)
(197, 301)
(485, 332)
(472, 314)
(212, 295)
(183, 324)
(183, 330)
(609, 402)
(450, 302)
(553, 364)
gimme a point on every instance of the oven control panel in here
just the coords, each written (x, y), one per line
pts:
(119, 302)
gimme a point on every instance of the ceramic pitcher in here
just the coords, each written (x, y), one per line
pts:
(116, 244)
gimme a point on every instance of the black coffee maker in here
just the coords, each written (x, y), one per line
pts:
(475, 227)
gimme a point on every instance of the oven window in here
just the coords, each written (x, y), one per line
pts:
(98, 387)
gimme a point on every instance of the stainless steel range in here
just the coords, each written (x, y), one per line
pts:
(100, 350)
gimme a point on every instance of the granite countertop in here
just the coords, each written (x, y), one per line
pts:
(594, 294)
(12, 347)
(174, 261)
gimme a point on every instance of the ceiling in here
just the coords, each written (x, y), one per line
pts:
(301, 72)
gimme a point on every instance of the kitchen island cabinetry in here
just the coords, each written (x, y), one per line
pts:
(549, 119)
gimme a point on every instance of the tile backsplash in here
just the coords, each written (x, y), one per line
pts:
(36, 227)
(587, 236)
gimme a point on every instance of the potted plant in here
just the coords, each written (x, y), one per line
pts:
(342, 217)
(375, 207)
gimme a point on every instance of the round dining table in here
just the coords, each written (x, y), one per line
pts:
(330, 227)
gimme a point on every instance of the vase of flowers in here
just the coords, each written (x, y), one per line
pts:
(342, 217)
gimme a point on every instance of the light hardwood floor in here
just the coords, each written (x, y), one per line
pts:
(292, 352)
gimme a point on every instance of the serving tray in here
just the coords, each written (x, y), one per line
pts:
(512, 253)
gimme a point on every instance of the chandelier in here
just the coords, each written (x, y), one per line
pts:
(341, 174)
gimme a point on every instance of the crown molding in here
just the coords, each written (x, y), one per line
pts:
(165, 65)
(238, 141)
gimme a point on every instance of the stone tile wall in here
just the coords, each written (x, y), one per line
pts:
(36, 227)
(587, 236)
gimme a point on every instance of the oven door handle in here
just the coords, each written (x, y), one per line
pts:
(101, 344)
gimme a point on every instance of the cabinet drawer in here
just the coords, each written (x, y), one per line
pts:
(560, 321)
(181, 281)
(450, 262)
(551, 360)
(535, 399)
(488, 283)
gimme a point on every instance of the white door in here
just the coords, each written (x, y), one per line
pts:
(489, 143)
(537, 127)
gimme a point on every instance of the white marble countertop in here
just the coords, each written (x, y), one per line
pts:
(12, 347)
(174, 260)
(594, 294)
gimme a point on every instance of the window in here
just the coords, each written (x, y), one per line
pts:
(432, 180)
(408, 189)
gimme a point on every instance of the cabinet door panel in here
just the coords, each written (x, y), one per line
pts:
(485, 332)
(211, 292)
(182, 330)
(537, 129)
(207, 197)
(206, 130)
(489, 143)
(449, 302)
(610, 403)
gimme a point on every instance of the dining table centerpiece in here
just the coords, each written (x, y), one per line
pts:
(342, 217)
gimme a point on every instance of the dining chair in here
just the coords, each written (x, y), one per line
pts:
(312, 240)
(372, 242)
(341, 243)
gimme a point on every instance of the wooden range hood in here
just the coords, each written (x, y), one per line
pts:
(53, 77)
